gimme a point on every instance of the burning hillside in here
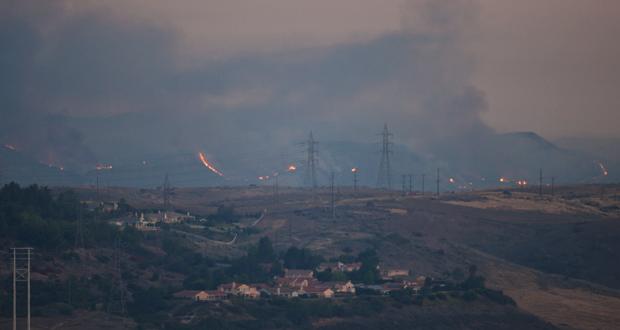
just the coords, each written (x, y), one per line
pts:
(207, 164)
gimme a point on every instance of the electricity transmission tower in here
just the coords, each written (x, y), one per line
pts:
(21, 273)
(311, 161)
(117, 301)
(98, 198)
(333, 196)
(166, 193)
(384, 178)
(79, 228)
(290, 231)
(437, 181)
(411, 184)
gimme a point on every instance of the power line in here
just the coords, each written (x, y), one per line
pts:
(384, 179)
(333, 196)
(311, 161)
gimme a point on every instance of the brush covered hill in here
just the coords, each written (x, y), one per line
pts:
(79, 275)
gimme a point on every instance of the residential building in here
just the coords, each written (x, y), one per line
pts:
(298, 273)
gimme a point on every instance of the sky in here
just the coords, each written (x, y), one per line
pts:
(548, 66)
(270, 70)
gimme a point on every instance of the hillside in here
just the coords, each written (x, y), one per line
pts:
(77, 278)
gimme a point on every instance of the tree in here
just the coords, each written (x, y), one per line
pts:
(225, 213)
(296, 258)
(368, 272)
(265, 252)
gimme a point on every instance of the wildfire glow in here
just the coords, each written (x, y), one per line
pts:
(208, 165)
(102, 167)
(292, 168)
(59, 167)
(603, 168)
(10, 147)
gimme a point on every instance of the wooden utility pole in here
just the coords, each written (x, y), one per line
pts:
(333, 196)
(540, 183)
(21, 273)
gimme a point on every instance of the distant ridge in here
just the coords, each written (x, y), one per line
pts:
(533, 138)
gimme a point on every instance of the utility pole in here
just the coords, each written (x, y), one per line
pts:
(311, 161)
(275, 188)
(423, 177)
(354, 171)
(166, 193)
(117, 298)
(98, 188)
(540, 183)
(410, 183)
(290, 231)
(385, 175)
(79, 228)
(333, 197)
(98, 199)
(21, 273)
(437, 181)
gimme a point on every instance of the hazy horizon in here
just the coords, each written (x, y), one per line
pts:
(92, 82)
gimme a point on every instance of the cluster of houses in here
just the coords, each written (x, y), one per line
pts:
(302, 283)
(152, 221)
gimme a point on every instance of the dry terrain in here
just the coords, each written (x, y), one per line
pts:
(555, 256)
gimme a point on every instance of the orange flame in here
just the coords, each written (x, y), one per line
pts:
(208, 165)
(101, 167)
(10, 147)
(603, 168)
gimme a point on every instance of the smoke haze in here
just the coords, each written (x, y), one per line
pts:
(88, 82)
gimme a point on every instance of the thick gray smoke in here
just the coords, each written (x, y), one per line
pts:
(117, 93)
